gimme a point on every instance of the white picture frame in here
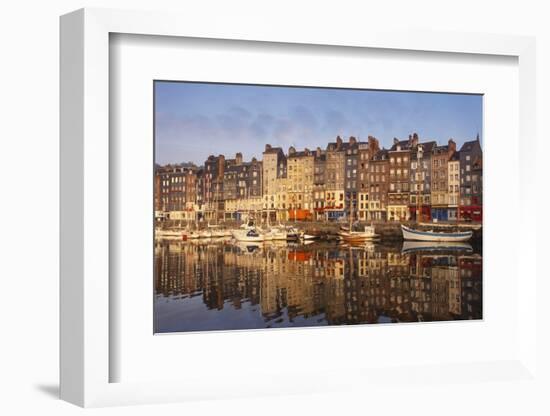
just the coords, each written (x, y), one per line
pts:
(85, 212)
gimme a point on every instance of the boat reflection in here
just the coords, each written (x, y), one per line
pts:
(221, 285)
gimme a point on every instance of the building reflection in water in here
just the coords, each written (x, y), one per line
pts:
(221, 286)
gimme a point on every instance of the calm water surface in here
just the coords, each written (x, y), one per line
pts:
(221, 285)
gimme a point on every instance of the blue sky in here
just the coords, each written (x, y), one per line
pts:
(194, 120)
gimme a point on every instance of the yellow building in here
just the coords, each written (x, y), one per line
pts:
(300, 180)
(363, 205)
(454, 186)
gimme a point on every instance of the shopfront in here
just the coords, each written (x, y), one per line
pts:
(470, 213)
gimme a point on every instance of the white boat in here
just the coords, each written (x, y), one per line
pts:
(418, 235)
(435, 246)
(217, 232)
(191, 235)
(168, 233)
(205, 234)
(248, 232)
(250, 235)
(276, 233)
(305, 236)
(292, 233)
(357, 236)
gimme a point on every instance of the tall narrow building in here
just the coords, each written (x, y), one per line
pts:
(440, 177)
(471, 181)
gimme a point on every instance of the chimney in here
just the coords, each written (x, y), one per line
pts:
(374, 145)
(338, 142)
(221, 166)
(239, 158)
(291, 150)
(395, 140)
(452, 146)
(318, 152)
(267, 147)
(352, 140)
(306, 151)
(414, 139)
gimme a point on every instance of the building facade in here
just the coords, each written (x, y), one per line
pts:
(346, 180)
(379, 178)
(335, 183)
(399, 189)
(273, 169)
(454, 186)
(471, 181)
(319, 185)
(440, 177)
(300, 174)
(420, 182)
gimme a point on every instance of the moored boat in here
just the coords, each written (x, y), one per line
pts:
(356, 236)
(305, 236)
(248, 232)
(250, 235)
(276, 233)
(169, 233)
(419, 235)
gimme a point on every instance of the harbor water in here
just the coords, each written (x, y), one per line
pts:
(204, 285)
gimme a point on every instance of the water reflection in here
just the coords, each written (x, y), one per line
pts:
(221, 285)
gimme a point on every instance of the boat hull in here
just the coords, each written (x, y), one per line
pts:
(416, 235)
(356, 236)
(247, 236)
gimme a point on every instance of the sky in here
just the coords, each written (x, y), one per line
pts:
(195, 120)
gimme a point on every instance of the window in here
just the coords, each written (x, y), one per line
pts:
(467, 168)
(468, 157)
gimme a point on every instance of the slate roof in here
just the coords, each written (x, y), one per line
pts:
(381, 155)
(468, 146)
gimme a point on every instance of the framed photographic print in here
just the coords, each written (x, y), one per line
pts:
(264, 203)
(260, 223)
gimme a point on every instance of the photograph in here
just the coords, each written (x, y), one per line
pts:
(282, 206)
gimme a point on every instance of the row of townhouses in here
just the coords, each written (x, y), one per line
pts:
(411, 180)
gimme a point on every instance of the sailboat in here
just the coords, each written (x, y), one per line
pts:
(351, 236)
(275, 232)
(248, 232)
